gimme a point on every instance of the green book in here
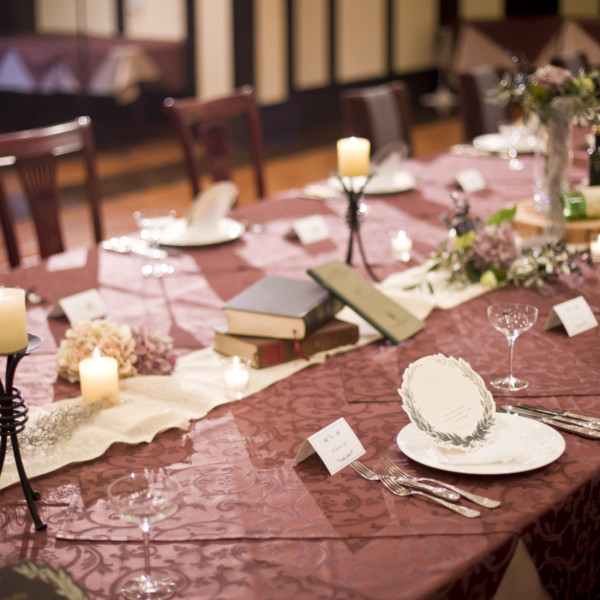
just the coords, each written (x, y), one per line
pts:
(392, 320)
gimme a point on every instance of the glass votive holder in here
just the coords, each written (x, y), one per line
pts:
(595, 247)
(236, 376)
(401, 245)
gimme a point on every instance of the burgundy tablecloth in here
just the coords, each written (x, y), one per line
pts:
(251, 525)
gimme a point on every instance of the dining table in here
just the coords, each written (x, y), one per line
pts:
(251, 523)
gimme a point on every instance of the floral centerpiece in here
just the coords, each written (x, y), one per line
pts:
(137, 349)
(558, 98)
(490, 255)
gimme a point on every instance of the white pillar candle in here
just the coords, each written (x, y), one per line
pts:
(99, 377)
(236, 374)
(353, 156)
(595, 249)
(13, 328)
(401, 245)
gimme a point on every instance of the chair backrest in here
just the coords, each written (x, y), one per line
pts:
(34, 154)
(209, 121)
(380, 113)
(576, 62)
(478, 115)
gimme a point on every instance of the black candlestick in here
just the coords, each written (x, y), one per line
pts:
(353, 220)
(13, 416)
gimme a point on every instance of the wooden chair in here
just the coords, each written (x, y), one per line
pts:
(34, 153)
(210, 122)
(380, 113)
(478, 115)
(576, 62)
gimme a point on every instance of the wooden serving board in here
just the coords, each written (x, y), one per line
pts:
(528, 222)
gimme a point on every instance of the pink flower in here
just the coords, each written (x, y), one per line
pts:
(553, 78)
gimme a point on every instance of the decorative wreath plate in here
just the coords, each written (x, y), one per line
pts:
(445, 398)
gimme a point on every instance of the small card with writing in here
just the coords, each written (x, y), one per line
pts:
(336, 445)
(575, 315)
(309, 230)
(446, 399)
(83, 306)
(470, 180)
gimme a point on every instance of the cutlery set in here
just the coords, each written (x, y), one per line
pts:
(582, 425)
(402, 484)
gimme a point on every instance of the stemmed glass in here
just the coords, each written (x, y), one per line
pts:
(513, 134)
(144, 498)
(511, 319)
(151, 223)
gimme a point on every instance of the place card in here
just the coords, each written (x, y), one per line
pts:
(336, 445)
(470, 180)
(446, 399)
(309, 230)
(575, 315)
(83, 306)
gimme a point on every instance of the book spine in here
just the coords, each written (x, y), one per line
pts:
(335, 339)
(321, 314)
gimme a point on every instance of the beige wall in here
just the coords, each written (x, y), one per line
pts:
(578, 8)
(157, 19)
(482, 10)
(96, 17)
(415, 35)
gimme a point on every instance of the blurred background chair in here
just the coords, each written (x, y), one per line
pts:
(34, 154)
(380, 113)
(478, 115)
(576, 62)
(210, 123)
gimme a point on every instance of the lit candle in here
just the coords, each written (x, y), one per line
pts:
(595, 249)
(99, 377)
(353, 157)
(13, 328)
(401, 245)
(237, 376)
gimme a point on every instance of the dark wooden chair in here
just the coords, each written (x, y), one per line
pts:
(576, 62)
(380, 113)
(210, 123)
(478, 115)
(34, 153)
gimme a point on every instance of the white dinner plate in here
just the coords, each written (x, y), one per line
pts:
(497, 143)
(400, 181)
(181, 235)
(520, 445)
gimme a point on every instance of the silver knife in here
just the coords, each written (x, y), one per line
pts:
(593, 434)
(124, 245)
(561, 413)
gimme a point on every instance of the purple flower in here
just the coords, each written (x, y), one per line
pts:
(553, 78)
(154, 351)
(494, 248)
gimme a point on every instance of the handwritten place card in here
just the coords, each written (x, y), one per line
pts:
(309, 230)
(575, 315)
(83, 306)
(470, 180)
(336, 445)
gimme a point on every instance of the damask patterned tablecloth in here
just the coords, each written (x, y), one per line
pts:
(251, 525)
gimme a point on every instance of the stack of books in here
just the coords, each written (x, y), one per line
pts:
(278, 319)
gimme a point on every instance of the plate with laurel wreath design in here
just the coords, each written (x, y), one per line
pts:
(447, 400)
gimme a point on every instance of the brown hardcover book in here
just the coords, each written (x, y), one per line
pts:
(280, 307)
(387, 316)
(266, 352)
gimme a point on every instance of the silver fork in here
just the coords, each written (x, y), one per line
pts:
(371, 475)
(476, 498)
(396, 487)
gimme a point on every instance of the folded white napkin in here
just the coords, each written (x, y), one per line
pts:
(212, 205)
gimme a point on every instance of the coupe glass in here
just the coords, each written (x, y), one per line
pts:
(151, 223)
(511, 319)
(144, 498)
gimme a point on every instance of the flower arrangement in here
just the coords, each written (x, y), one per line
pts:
(546, 89)
(489, 254)
(137, 350)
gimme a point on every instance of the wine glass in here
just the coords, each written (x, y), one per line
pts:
(513, 134)
(511, 319)
(151, 223)
(144, 498)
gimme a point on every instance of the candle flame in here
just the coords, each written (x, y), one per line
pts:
(96, 353)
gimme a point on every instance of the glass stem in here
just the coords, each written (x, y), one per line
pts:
(146, 537)
(511, 344)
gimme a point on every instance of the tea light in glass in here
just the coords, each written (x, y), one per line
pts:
(236, 376)
(401, 245)
(595, 248)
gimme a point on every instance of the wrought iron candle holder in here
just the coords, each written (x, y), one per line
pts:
(353, 218)
(13, 416)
